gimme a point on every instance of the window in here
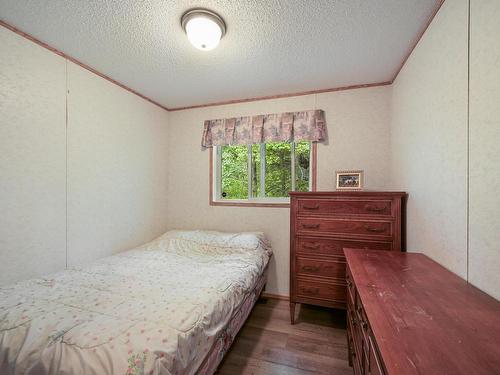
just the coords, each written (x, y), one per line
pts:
(261, 173)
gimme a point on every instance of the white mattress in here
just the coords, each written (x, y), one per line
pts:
(155, 309)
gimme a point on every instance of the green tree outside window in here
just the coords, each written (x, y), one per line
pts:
(274, 169)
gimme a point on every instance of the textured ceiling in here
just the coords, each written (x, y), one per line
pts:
(271, 47)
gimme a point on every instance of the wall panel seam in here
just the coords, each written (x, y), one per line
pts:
(66, 162)
(467, 173)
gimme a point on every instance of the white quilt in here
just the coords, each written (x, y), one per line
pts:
(156, 309)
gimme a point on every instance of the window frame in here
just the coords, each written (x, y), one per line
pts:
(254, 202)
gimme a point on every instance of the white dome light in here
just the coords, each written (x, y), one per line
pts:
(203, 28)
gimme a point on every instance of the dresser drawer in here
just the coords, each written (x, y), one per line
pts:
(361, 318)
(345, 227)
(325, 246)
(351, 289)
(354, 343)
(316, 267)
(374, 362)
(322, 226)
(330, 291)
(344, 207)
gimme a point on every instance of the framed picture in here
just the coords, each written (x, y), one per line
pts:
(349, 180)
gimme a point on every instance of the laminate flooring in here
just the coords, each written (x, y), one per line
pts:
(269, 345)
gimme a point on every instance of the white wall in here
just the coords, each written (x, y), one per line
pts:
(81, 192)
(429, 139)
(32, 159)
(484, 138)
(117, 168)
(448, 159)
(358, 124)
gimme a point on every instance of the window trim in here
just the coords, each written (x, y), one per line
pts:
(261, 202)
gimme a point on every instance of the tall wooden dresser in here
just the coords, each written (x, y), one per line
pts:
(322, 224)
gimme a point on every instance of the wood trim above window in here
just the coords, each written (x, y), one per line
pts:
(314, 171)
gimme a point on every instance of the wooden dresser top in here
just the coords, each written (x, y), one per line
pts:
(425, 319)
(346, 193)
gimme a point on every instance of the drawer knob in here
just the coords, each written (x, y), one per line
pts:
(309, 207)
(373, 208)
(374, 230)
(310, 226)
(310, 268)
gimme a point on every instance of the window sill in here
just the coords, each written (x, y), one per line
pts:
(285, 203)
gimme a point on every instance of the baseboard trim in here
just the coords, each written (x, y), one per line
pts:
(275, 296)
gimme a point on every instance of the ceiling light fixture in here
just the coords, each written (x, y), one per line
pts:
(203, 28)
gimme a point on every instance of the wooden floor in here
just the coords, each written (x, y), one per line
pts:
(269, 344)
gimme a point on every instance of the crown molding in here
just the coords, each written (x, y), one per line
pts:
(279, 96)
(417, 41)
(77, 62)
(234, 101)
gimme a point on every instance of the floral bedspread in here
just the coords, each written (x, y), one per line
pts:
(156, 309)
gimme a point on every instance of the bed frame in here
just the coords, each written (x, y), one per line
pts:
(228, 334)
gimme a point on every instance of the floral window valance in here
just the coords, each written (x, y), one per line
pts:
(278, 127)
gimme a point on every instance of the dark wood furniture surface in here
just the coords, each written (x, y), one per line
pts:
(408, 315)
(322, 224)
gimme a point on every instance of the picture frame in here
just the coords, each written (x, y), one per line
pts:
(349, 180)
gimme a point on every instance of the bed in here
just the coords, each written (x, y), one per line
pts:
(172, 306)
